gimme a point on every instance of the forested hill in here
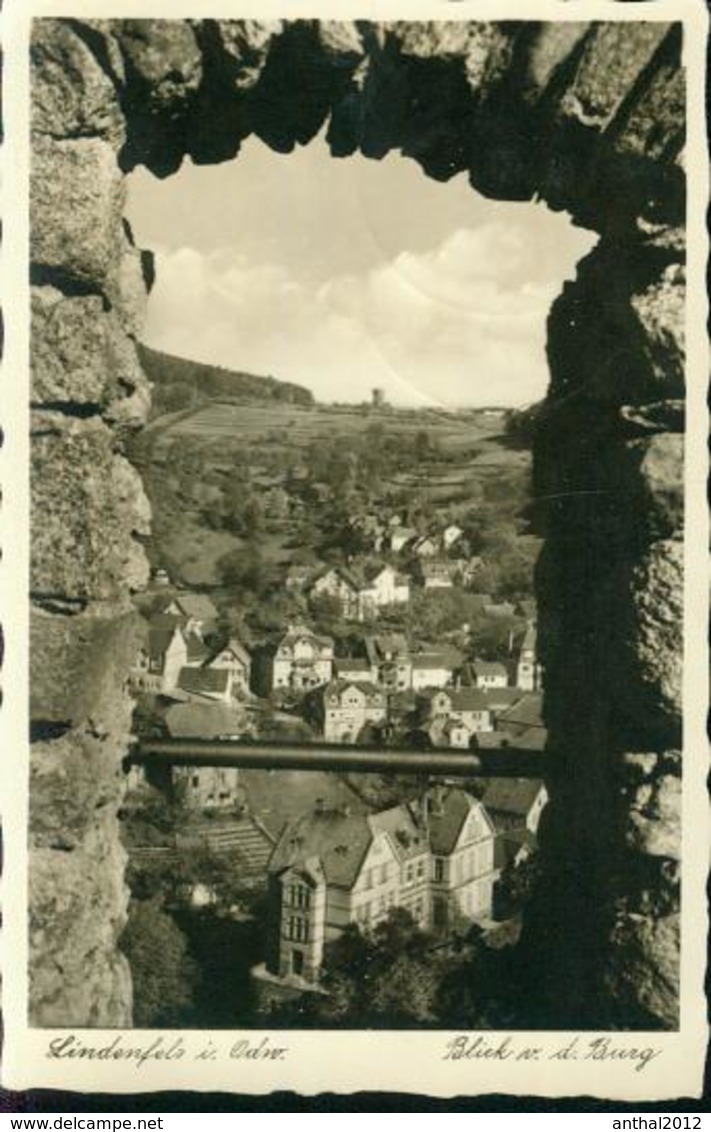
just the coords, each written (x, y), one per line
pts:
(180, 383)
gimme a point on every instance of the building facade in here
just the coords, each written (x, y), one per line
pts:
(331, 868)
(302, 660)
(347, 705)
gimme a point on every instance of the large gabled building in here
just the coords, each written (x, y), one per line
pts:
(332, 867)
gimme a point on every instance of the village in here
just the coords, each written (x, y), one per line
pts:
(327, 850)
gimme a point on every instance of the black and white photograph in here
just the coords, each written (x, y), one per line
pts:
(365, 624)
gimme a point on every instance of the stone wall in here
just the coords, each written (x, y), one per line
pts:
(588, 118)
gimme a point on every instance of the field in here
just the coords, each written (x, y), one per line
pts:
(467, 458)
(299, 426)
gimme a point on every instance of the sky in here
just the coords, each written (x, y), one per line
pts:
(345, 275)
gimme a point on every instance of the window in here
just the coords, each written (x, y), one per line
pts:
(297, 962)
(298, 929)
(409, 874)
(300, 896)
(195, 781)
(420, 869)
(383, 874)
(438, 870)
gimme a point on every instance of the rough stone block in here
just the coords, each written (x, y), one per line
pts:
(654, 125)
(72, 95)
(618, 330)
(69, 348)
(78, 902)
(79, 666)
(648, 669)
(76, 204)
(342, 42)
(642, 971)
(660, 311)
(658, 466)
(87, 506)
(550, 50)
(81, 356)
(614, 57)
(247, 43)
(645, 481)
(163, 55)
(654, 823)
(127, 289)
(71, 778)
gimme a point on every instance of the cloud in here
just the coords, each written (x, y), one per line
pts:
(463, 322)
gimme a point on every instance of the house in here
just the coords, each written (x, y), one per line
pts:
(527, 608)
(234, 657)
(331, 868)
(207, 683)
(464, 571)
(400, 538)
(344, 707)
(159, 661)
(197, 652)
(451, 535)
(206, 787)
(451, 733)
(500, 609)
(389, 657)
(382, 586)
(529, 674)
(436, 573)
(488, 674)
(426, 546)
(196, 611)
(354, 668)
(515, 803)
(205, 719)
(431, 670)
(298, 576)
(470, 706)
(522, 723)
(499, 699)
(462, 845)
(338, 583)
(301, 660)
(466, 706)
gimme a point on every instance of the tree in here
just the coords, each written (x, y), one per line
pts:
(242, 569)
(164, 976)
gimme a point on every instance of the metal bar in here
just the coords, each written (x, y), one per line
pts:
(508, 762)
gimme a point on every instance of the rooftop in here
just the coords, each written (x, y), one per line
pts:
(512, 795)
(204, 681)
(197, 606)
(203, 720)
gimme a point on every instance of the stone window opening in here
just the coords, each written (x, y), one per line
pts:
(609, 582)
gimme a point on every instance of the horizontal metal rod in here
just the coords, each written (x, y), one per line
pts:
(508, 762)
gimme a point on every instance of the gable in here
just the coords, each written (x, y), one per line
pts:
(380, 852)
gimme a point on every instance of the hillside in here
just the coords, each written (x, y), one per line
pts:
(241, 489)
(181, 384)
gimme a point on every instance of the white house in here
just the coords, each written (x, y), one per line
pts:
(301, 660)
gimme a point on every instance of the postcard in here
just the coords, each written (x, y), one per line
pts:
(355, 580)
